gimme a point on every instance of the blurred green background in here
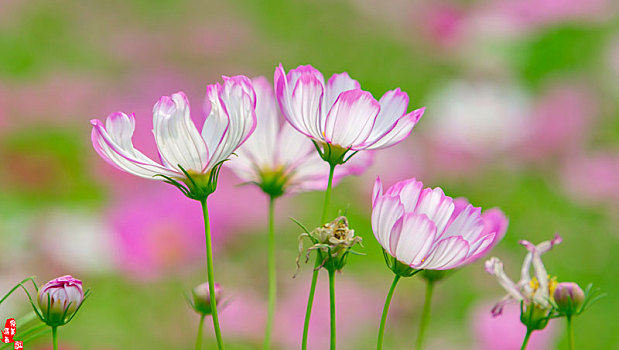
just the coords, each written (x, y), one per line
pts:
(522, 115)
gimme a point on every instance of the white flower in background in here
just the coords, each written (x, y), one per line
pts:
(480, 117)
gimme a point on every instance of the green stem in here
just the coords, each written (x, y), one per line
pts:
(425, 316)
(211, 275)
(199, 336)
(55, 338)
(526, 339)
(325, 207)
(332, 305)
(383, 320)
(272, 275)
(310, 298)
(570, 333)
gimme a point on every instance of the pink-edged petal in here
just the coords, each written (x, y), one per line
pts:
(447, 254)
(377, 191)
(467, 224)
(393, 106)
(306, 106)
(232, 118)
(416, 239)
(350, 120)
(480, 247)
(113, 143)
(403, 127)
(177, 137)
(337, 84)
(386, 212)
(436, 205)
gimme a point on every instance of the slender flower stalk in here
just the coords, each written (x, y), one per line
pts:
(211, 275)
(272, 276)
(383, 319)
(332, 307)
(55, 338)
(570, 333)
(525, 341)
(425, 315)
(310, 298)
(199, 336)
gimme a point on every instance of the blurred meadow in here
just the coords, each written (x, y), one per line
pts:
(522, 114)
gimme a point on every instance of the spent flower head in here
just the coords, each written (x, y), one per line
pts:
(333, 241)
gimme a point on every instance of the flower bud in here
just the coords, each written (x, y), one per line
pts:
(202, 298)
(569, 297)
(59, 299)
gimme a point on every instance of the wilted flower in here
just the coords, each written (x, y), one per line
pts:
(338, 115)
(568, 297)
(425, 229)
(202, 298)
(59, 300)
(536, 291)
(278, 158)
(333, 241)
(187, 155)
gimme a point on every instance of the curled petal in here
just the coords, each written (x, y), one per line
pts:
(113, 143)
(177, 137)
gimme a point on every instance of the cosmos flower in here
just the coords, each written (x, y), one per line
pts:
(184, 151)
(537, 290)
(339, 113)
(278, 158)
(425, 229)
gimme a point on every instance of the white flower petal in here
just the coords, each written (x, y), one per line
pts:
(350, 120)
(447, 253)
(416, 239)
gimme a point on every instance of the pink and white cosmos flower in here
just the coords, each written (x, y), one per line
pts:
(340, 113)
(280, 159)
(231, 118)
(425, 229)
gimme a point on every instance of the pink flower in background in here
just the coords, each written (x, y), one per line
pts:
(506, 332)
(243, 314)
(357, 308)
(441, 21)
(159, 232)
(278, 158)
(230, 110)
(560, 122)
(592, 178)
(339, 113)
(425, 229)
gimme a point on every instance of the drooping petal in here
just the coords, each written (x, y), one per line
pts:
(351, 118)
(403, 127)
(177, 137)
(337, 84)
(446, 254)
(494, 267)
(113, 143)
(416, 239)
